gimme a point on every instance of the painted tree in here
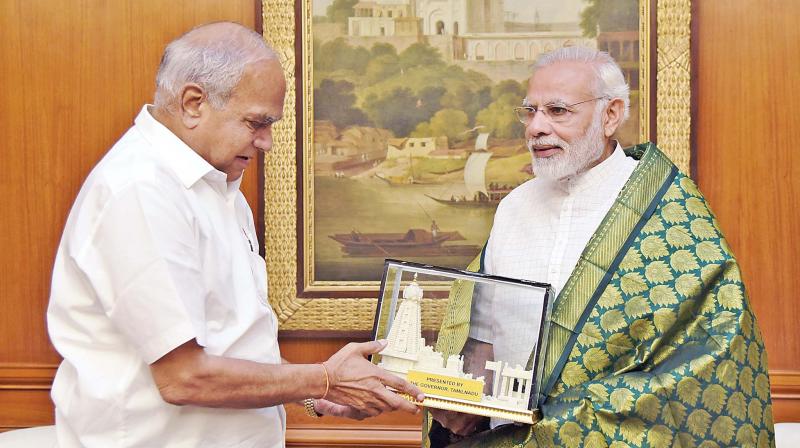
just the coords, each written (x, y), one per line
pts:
(396, 111)
(340, 10)
(446, 122)
(334, 101)
(609, 15)
(382, 67)
(382, 49)
(337, 54)
(499, 118)
(510, 86)
(420, 55)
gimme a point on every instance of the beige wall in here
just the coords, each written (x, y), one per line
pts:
(73, 75)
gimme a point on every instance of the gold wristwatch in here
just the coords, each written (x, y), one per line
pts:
(308, 404)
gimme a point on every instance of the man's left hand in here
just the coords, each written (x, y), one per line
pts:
(456, 422)
(325, 407)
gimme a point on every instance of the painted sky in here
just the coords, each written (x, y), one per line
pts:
(524, 10)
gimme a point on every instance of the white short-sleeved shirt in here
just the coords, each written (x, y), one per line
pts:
(158, 249)
(540, 230)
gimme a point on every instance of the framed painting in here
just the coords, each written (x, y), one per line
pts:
(399, 138)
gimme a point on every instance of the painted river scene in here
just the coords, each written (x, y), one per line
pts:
(414, 137)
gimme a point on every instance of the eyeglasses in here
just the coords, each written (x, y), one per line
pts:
(555, 112)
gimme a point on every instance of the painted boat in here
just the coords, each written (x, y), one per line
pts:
(414, 242)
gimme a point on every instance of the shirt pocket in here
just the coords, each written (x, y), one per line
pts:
(259, 269)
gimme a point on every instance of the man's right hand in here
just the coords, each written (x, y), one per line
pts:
(356, 382)
(457, 422)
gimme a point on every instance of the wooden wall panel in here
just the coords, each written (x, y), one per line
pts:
(72, 78)
(747, 129)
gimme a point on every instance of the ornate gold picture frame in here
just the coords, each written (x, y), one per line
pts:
(303, 303)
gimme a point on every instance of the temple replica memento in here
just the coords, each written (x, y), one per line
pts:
(444, 382)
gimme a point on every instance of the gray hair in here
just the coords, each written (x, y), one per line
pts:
(215, 62)
(610, 80)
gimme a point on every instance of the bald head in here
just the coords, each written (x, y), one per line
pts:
(214, 57)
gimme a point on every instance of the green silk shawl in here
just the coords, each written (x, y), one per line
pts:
(652, 340)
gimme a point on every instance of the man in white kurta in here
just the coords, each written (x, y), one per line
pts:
(159, 248)
(576, 100)
(543, 246)
(159, 295)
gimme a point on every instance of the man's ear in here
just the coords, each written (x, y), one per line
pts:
(192, 102)
(612, 118)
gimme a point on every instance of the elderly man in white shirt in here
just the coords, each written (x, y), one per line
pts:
(159, 296)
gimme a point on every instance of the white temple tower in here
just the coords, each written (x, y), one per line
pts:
(405, 336)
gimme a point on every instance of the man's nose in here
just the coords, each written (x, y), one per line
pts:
(538, 125)
(263, 140)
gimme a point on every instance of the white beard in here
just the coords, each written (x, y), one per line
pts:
(575, 158)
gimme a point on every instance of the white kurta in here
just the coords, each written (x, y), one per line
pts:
(158, 249)
(539, 231)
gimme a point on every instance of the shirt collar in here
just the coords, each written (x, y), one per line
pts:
(232, 188)
(183, 160)
(596, 175)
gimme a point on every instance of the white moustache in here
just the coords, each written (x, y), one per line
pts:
(547, 141)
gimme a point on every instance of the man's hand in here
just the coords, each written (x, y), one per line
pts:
(325, 407)
(361, 385)
(456, 422)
